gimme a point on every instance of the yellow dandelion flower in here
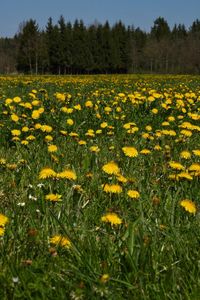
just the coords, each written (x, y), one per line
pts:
(104, 125)
(30, 137)
(14, 118)
(88, 103)
(130, 151)
(67, 174)
(52, 148)
(59, 240)
(133, 194)
(15, 138)
(176, 165)
(148, 128)
(53, 197)
(154, 111)
(112, 188)
(46, 128)
(145, 151)
(2, 231)
(47, 173)
(24, 142)
(2, 161)
(3, 220)
(196, 152)
(25, 129)
(157, 147)
(70, 122)
(194, 167)
(82, 142)
(111, 218)
(78, 107)
(17, 99)
(186, 133)
(94, 149)
(98, 131)
(11, 166)
(185, 154)
(185, 175)
(16, 132)
(38, 126)
(73, 134)
(121, 178)
(35, 114)
(104, 278)
(8, 101)
(111, 168)
(189, 206)
(48, 138)
(63, 132)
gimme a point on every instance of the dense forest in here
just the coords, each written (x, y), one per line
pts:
(66, 48)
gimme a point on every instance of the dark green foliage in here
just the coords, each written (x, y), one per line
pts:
(66, 48)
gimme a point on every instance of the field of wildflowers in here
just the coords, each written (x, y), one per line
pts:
(99, 187)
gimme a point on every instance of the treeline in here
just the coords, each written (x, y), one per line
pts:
(66, 48)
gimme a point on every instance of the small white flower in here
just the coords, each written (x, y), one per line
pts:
(15, 279)
(21, 204)
(32, 197)
(40, 185)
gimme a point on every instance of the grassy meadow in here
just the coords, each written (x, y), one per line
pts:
(99, 187)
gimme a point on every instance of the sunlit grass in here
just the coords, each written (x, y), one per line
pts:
(99, 187)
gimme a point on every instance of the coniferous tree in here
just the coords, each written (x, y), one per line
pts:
(28, 50)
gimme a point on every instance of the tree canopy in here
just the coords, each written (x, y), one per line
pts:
(74, 48)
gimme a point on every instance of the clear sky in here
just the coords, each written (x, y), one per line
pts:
(140, 13)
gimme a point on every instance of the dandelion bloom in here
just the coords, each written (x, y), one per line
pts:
(112, 188)
(53, 197)
(52, 148)
(14, 118)
(46, 128)
(194, 167)
(59, 240)
(187, 133)
(88, 103)
(70, 122)
(154, 111)
(3, 220)
(67, 174)
(35, 114)
(185, 154)
(189, 206)
(176, 165)
(184, 175)
(196, 152)
(16, 132)
(104, 125)
(121, 178)
(111, 218)
(145, 151)
(48, 138)
(130, 151)
(30, 138)
(47, 173)
(133, 194)
(82, 142)
(104, 278)
(111, 168)
(2, 230)
(94, 149)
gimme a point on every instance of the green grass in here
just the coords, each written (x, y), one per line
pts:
(154, 253)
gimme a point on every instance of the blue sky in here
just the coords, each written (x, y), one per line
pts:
(140, 13)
